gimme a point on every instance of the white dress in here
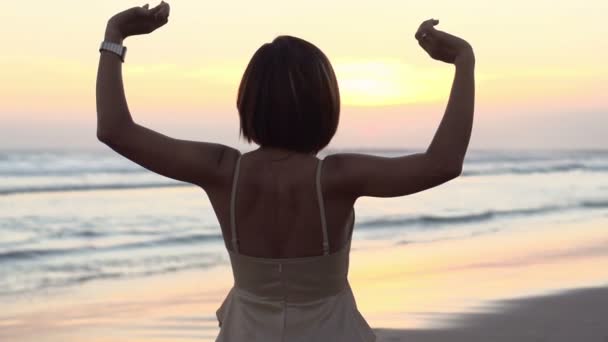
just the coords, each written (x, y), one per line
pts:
(305, 299)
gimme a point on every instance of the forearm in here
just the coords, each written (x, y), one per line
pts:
(451, 140)
(112, 109)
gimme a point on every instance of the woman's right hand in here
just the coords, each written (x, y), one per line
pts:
(441, 45)
(136, 21)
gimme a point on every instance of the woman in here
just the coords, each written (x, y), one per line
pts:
(286, 216)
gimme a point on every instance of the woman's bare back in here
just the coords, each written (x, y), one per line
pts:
(277, 210)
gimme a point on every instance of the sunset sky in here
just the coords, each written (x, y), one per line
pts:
(542, 75)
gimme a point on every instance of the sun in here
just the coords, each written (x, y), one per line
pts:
(386, 83)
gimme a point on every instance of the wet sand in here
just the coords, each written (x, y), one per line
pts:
(572, 316)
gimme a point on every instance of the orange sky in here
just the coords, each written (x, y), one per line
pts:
(541, 71)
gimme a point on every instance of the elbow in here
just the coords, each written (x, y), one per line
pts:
(446, 170)
(109, 137)
(449, 172)
(112, 135)
(452, 172)
(104, 136)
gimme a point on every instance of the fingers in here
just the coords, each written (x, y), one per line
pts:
(157, 8)
(425, 25)
(161, 11)
(165, 10)
(430, 42)
(426, 36)
(426, 28)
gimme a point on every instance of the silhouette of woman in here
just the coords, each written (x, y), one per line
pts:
(286, 216)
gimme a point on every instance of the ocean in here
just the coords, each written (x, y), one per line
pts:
(74, 217)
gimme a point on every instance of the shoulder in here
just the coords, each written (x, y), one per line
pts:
(227, 161)
(335, 174)
(225, 164)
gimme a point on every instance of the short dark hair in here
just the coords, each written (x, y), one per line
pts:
(289, 97)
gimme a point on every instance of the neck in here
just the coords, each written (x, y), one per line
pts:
(281, 151)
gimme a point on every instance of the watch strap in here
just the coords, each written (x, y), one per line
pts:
(117, 49)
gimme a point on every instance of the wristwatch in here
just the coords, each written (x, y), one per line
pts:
(118, 49)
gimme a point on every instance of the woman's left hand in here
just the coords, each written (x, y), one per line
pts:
(137, 20)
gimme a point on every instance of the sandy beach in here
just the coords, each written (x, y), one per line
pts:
(576, 315)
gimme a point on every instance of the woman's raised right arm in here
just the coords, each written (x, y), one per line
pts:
(355, 175)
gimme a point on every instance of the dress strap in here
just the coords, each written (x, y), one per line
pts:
(322, 209)
(235, 179)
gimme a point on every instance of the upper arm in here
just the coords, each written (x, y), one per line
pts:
(200, 163)
(368, 175)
